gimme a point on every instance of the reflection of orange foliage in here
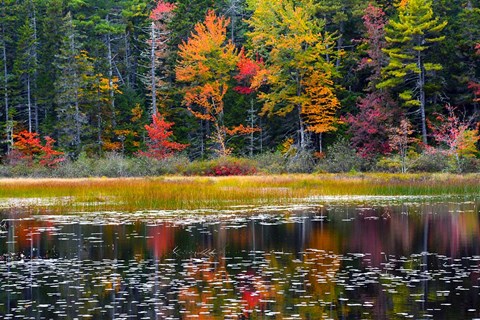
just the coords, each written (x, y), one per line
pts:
(197, 298)
(254, 290)
(27, 232)
(161, 240)
(323, 262)
(240, 238)
(212, 288)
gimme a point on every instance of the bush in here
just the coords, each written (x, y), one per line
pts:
(80, 168)
(389, 164)
(341, 157)
(429, 162)
(270, 162)
(301, 162)
(466, 165)
(116, 165)
(224, 166)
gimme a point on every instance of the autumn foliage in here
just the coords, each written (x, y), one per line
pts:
(370, 127)
(207, 60)
(455, 134)
(161, 9)
(320, 105)
(159, 133)
(29, 148)
(247, 70)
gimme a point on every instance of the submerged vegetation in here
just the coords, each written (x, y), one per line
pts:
(189, 193)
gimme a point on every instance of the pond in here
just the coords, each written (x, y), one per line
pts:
(407, 258)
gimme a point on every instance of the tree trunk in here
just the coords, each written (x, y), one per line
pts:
(340, 44)
(110, 80)
(320, 142)
(421, 89)
(77, 120)
(29, 104)
(301, 131)
(5, 92)
(35, 72)
(153, 89)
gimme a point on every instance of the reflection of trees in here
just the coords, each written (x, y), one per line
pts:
(161, 240)
(209, 286)
(306, 286)
(455, 233)
(378, 231)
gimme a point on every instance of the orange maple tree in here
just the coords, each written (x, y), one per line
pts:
(206, 63)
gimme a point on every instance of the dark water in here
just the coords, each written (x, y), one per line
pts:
(385, 261)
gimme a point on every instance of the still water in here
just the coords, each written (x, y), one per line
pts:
(390, 260)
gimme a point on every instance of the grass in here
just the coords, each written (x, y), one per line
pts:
(167, 193)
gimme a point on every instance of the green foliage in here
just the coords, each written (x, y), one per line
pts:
(225, 166)
(410, 36)
(341, 157)
(429, 162)
(272, 163)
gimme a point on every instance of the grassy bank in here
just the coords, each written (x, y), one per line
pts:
(131, 194)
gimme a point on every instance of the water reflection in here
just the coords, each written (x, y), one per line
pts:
(415, 260)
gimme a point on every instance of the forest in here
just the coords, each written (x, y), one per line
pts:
(224, 87)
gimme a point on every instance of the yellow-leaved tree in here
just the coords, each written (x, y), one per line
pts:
(298, 69)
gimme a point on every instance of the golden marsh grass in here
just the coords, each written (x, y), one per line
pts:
(188, 193)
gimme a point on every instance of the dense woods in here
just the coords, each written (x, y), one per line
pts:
(331, 85)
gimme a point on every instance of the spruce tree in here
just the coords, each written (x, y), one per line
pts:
(410, 36)
(74, 72)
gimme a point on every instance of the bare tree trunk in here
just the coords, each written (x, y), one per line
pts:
(8, 122)
(153, 89)
(127, 57)
(301, 130)
(110, 80)
(320, 142)
(421, 88)
(77, 139)
(29, 104)
(35, 73)
(301, 125)
(5, 94)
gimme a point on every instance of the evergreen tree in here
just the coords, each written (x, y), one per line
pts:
(74, 72)
(25, 69)
(8, 28)
(410, 36)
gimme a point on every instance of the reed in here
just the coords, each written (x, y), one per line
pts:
(188, 193)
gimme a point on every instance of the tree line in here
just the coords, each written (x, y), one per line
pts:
(238, 77)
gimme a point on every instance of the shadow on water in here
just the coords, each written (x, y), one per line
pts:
(410, 260)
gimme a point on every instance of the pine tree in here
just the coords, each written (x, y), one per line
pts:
(409, 37)
(7, 24)
(50, 39)
(25, 69)
(74, 72)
